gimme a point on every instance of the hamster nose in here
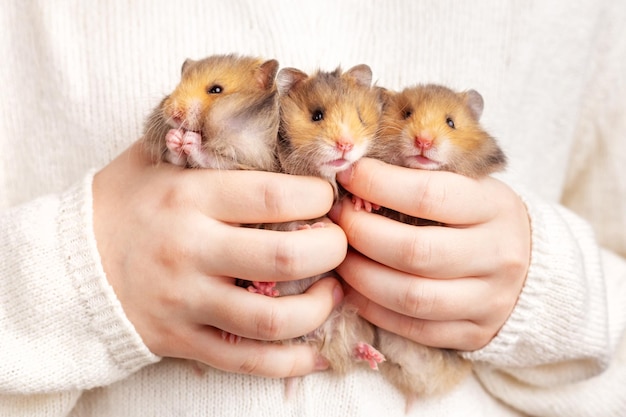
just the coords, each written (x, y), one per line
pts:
(423, 142)
(344, 145)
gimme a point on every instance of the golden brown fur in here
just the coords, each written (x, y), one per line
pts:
(424, 110)
(322, 146)
(232, 102)
(466, 148)
(430, 127)
(350, 110)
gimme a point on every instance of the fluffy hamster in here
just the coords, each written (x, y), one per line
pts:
(328, 121)
(435, 128)
(431, 127)
(223, 114)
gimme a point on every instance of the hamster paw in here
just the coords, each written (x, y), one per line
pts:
(315, 225)
(359, 204)
(174, 140)
(231, 338)
(174, 143)
(264, 288)
(191, 143)
(366, 352)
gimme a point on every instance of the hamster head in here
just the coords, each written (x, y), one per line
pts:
(328, 119)
(206, 82)
(433, 127)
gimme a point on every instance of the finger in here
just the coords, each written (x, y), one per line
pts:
(416, 297)
(258, 197)
(431, 251)
(268, 255)
(237, 196)
(435, 195)
(254, 357)
(255, 316)
(447, 334)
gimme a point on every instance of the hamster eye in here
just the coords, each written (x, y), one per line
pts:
(317, 115)
(406, 113)
(214, 89)
(450, 122)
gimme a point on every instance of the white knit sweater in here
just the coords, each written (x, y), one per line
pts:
(78, 79)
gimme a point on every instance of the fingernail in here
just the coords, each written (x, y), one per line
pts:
(321, 363)
(345, 176)
(337, 294)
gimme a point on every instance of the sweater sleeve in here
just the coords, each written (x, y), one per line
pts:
(566, 333)
(62, 325)
(560, 316)
(563, 350)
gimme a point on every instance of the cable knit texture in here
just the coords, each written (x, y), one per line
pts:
(79, 78)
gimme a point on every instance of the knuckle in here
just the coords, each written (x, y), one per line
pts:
(177, 199)
(430, 199)
(274, 200)
(269, 325)
(286, 258)
(173, 301)
(171, 255)
(515, 264)
(252, 365)
(415, 330)
(173, 252)
(416, 252)
(477, 337)
(416, 302)
(172, 197)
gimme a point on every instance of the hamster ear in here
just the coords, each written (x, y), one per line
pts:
(186, 65)
(474, 102)
(266, 74)
(287, 78)
(362, 74)
(384, 96)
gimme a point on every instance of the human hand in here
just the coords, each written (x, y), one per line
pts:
(449, 287)
(170, 246)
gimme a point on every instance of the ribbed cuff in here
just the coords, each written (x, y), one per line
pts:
(561, 313)
(108, 321)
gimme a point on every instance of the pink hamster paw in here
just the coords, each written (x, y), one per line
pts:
(192, 143)
(174, 143)
(264, 288)
(231, 338)
(196, 155)
(366, 352)
(359, 204)
(315, 225)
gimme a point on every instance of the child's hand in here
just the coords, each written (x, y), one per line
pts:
(171, 248)
(451, 287)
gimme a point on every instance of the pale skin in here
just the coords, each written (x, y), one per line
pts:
(449, 287)
(171, 246)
